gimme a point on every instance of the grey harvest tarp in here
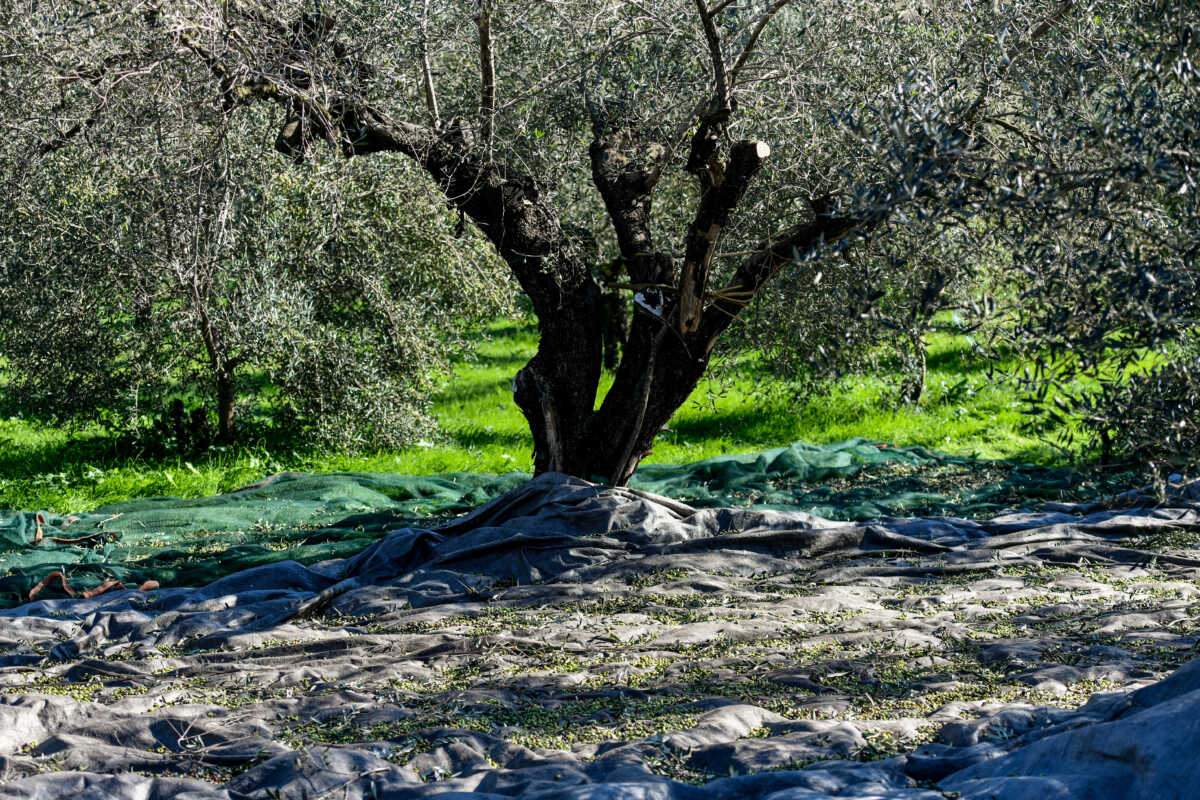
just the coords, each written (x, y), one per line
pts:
(570, 641)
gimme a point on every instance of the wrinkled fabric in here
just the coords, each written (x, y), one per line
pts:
(568, 640)
(311, 518)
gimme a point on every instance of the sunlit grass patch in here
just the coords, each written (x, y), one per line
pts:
(965, 411)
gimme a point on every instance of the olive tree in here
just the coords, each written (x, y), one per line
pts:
(871, 308)
(1070, 220)
(176, 267)
(1108, 240)
(709, 147)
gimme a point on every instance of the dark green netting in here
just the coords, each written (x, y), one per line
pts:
(178, 542)
(310, 518)
(860, 479)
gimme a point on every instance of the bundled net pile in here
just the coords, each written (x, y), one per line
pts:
(312, 518)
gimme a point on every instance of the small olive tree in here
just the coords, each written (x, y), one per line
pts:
(871, 308)
(183, 269)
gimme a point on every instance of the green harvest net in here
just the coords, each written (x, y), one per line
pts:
(311, 518)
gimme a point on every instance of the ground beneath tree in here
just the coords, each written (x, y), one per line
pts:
(571, 641)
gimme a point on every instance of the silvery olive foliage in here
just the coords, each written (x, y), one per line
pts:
(1110, 241)
(819, 176)
(181, 260)
(870, 308)
(1151, 418)
(1056, 206)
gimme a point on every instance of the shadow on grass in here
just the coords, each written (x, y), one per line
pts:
(954, 362)
(34, 453)
(24, 459)
(460, 389)
(466, 391)
(522, 326)
(513, 360)
(1045, 454)
(774, 423)
(481, 437)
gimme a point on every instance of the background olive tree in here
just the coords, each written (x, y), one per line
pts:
(870, 309)
(1104, 234)
(1070, 220)
(178, 284)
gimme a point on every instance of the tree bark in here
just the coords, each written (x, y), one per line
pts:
(930, 300)
(615, 319)
(912, 386)
(226, 400)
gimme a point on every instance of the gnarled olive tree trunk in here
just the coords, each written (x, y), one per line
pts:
(678, 316)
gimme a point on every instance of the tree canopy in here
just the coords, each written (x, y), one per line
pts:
(697, 155)
(158, 265)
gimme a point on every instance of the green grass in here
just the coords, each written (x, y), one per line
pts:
(964, 413)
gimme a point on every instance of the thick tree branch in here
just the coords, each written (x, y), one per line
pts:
(629, 458)
(93, 76)
(703, 161)
(508, 206)
(780, 250)
(716, 206)
(556, 390)
(625, 175)
(64, 138)
(487, 75)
